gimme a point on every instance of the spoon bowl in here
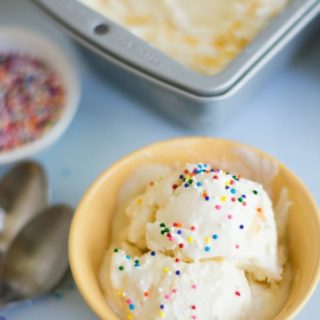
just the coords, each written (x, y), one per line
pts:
(23, 194)
(37, 259)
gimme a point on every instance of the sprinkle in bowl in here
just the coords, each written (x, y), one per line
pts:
(39, 96)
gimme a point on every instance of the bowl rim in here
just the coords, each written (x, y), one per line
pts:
(72, 96)
(76, 265)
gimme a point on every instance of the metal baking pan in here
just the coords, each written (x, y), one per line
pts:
(145, 71)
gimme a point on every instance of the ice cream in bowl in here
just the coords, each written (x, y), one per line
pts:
(196, 228)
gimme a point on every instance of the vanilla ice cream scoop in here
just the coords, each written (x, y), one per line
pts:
(156, 286)
(196, 243)
(198, 213)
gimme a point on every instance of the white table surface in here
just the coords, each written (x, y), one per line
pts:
(283, 119)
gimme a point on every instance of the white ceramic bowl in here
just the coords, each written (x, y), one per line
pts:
(36, 45)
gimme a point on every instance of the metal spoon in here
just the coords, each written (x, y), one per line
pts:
(37, 259)
(23, 194)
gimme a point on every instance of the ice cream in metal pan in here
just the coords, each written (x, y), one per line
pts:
(204, 35)
(120, 46)
(192, 98)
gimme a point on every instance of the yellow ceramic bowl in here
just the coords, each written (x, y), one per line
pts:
(90, 228)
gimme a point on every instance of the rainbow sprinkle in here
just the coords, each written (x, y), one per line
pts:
(32, 99)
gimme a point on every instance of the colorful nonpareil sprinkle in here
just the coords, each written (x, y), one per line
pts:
(190, 239)
(32, 99)
(207, 240)
(136, 263)
(166, 269)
